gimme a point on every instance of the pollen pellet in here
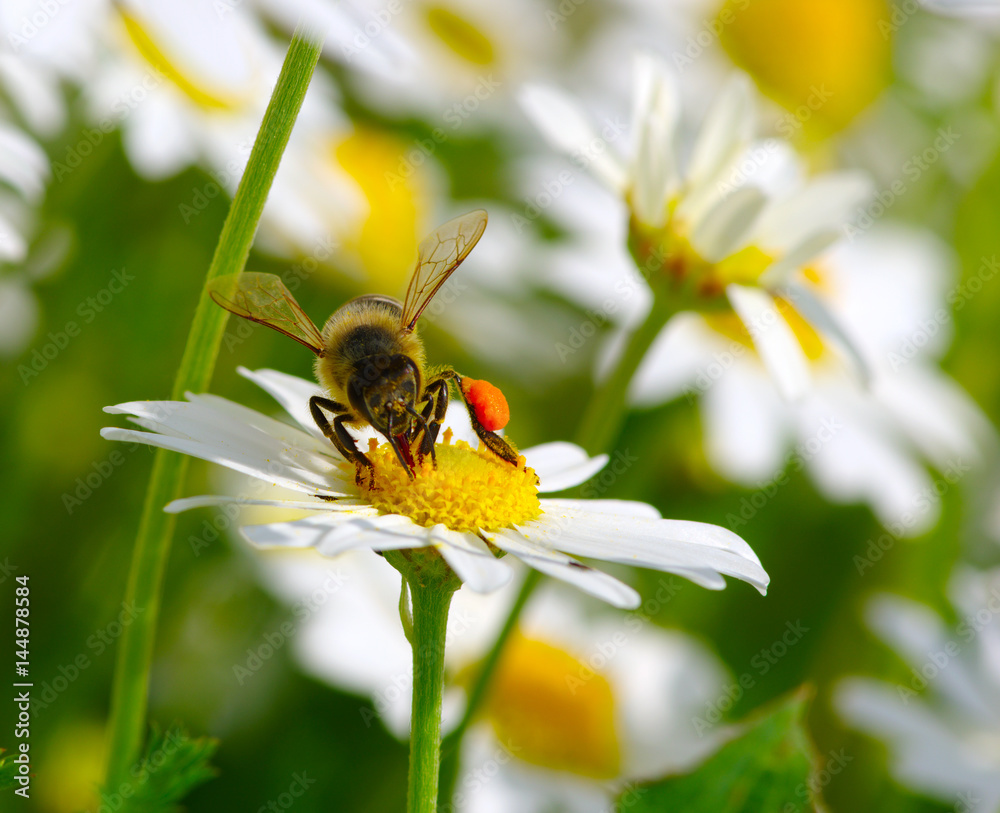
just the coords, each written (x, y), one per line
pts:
(488, 402)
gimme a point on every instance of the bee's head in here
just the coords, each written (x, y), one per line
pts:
(383, 390)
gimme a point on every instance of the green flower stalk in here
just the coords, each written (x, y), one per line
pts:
(152, 546)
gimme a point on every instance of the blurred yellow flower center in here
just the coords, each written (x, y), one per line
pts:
(729, 324)
(823, 60)
(151, 51)
(551, 709)
(467, 491)
(387, 174)
(675, 269)
(460, 36)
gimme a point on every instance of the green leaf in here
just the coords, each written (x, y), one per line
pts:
(767, 767)
(174, 764)
(8, 771)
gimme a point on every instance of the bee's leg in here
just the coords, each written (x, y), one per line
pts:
(436, 396)
(496, 444)
(337, 432)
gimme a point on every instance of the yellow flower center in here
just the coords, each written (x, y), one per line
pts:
(676, 270)
(551, 709)
(729, 324)
(823, 60)
(460, 36)
(467, 490)
(151, 51)
(395, 188)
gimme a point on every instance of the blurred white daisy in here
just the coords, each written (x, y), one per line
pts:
(579, 702)
(24, 175)
(707, 236)
(942, 725)
(467, 507)
(456, 63)
(888, 289)
(869, 309)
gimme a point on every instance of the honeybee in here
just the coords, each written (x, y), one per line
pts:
(369, 359)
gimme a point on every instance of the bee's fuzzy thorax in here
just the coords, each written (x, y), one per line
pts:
(365, 326)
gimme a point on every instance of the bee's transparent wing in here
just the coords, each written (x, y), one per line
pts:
(263, 298)
(439, 254)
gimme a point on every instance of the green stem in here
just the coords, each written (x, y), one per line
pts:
(430, 625)
(605, 414)
(152, 545)
(450, 746)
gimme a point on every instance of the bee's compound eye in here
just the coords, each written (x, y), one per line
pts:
(488, 402)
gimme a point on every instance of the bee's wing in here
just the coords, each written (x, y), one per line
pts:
(264, 298)
(439, 254)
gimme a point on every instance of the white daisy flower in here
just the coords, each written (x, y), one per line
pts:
(580, 702)
(707, 236)
(857, 444)
(942, 726)
(24, 175)
(454, 62)
(466, 507)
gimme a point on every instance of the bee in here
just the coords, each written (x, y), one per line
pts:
(369, 359)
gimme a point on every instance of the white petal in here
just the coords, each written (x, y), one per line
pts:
(773, 338)
(561, 465)
(291, 392)
(332, 534)
(819, 316)
(566, 127)
(724, 227)
(726, 132)
(654, 119)
(619, 508)
(693, 549)
(472, 561)
(809, 248)
(209, 500)
(270, 470)
(23, 163)
(551, 563)
(824, 204)
(746, 431)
